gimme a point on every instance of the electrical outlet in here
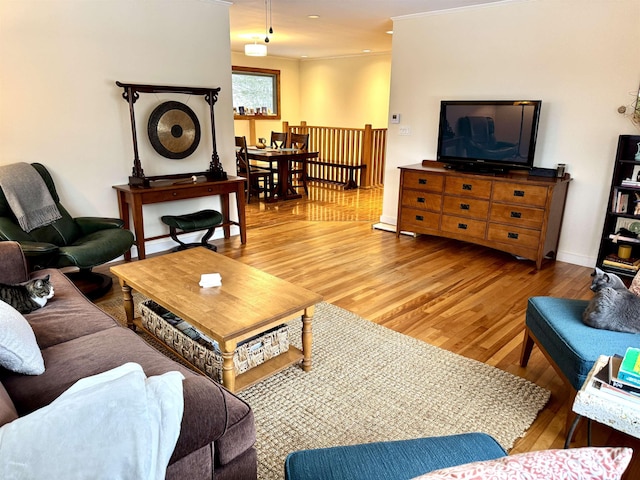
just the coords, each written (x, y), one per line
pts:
(404, 131)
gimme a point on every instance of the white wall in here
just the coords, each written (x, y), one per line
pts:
(582, 59)
(59, 104)
(346, 92)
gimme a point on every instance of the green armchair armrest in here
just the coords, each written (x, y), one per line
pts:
(93, 224)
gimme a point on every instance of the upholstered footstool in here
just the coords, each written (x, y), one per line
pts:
(555, 325)
(397, 460)
(192, 222)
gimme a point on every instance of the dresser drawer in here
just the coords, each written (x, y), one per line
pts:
(514, 235)
(477, 188)
(422, 200)
(517, 215)
(414, 220)
(466, 207)
(520, 193)
(425, 181)
(464, 226)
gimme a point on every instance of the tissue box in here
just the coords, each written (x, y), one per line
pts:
(202, 351)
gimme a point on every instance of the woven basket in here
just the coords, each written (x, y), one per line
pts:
(203, 352)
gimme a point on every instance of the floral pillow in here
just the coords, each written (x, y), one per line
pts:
(591, 463)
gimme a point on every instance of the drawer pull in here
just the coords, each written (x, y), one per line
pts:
(462, 226)
(422, 181)
(513, 236)
(421, 199)
(465, 206)
(175, 193)
(516, 214)
(467, 186)
(420, 218)
(518, 193)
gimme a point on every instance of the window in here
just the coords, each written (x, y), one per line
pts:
(256, 93)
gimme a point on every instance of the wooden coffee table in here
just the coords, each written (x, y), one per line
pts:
(248, 303)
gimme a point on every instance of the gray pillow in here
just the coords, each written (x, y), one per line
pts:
(19, 351)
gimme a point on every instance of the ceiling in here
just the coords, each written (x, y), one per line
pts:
(344, 27)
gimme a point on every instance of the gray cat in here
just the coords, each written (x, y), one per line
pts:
(27, 296)
(613, 307)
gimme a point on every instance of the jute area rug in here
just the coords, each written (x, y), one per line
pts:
(369, 383)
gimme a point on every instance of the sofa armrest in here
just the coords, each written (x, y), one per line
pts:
(204, 405)
(14, 265)
(93, 224)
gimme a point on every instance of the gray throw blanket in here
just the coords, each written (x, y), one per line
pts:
(28, 196)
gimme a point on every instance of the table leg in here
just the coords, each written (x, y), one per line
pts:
(138, 226)
(572, 430)
(128, 304)
(242, 219)
(227, 350)
(224, 200)
(123, 207)
(307, 337)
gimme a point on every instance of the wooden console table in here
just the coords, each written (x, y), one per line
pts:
(511, 212)
(131, 199)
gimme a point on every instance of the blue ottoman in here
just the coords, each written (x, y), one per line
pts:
(555, 325)
(397, 460)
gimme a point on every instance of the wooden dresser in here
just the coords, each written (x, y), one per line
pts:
(512, 212)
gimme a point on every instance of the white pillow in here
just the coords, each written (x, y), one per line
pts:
(115, 425)
(19, 351)
(589, 463)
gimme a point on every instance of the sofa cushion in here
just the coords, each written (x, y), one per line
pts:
(19, 351)
(557, 325)
(592, 463)
(204, 421)
(66, 316)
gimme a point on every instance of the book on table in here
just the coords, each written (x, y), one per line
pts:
(607, 381)
(629, 371)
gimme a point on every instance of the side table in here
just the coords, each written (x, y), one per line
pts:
(617, 412)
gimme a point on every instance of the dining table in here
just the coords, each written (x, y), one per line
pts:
(281, 157)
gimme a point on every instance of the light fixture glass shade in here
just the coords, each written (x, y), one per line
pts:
(255, 50)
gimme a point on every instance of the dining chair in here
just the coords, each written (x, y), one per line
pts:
(278, 139)
(254, 175)
(298, 167)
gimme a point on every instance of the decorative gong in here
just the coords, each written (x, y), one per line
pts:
(172, 136)
(174, 130)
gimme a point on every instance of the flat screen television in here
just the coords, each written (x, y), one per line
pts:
(488, 135)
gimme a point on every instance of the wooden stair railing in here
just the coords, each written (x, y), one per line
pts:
(353, 157)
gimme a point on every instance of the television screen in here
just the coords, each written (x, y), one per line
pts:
(488, 135)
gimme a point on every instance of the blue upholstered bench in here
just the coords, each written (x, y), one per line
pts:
(555, 325)
(397, 460)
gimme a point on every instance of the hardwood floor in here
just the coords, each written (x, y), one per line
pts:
(461, 297)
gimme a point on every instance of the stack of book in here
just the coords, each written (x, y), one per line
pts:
(621, 203)
(627, 264)
(620, 377)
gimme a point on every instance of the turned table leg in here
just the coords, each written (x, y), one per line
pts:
(128, 304)
(227, 350)
(307, 337)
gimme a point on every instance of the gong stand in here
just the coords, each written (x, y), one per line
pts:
(132, 93)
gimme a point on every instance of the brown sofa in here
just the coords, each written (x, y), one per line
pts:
(77, 340)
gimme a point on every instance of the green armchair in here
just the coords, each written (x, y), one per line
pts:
(83, 242)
